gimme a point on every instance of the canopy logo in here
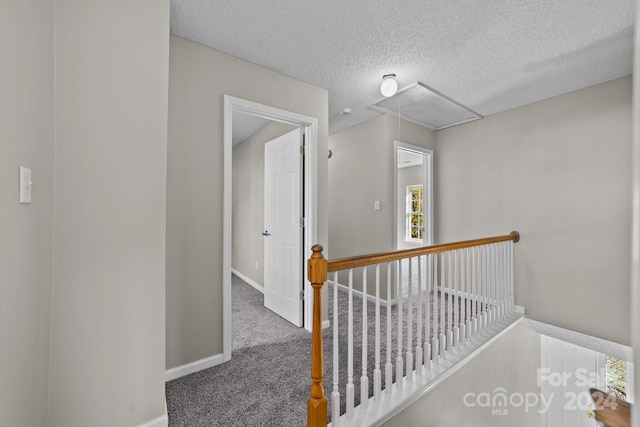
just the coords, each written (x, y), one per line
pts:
(499, 400)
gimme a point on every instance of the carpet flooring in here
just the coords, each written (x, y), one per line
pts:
(266, 382)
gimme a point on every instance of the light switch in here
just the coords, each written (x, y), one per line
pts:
(376, 205)
(25, 185)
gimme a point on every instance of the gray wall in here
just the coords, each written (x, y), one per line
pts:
(248, 202)
(26, 138)
(511, 364)
(360, 172)
(199, 77)
(108, 340)
(559, 172)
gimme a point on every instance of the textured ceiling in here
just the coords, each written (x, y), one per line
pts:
(488, 56)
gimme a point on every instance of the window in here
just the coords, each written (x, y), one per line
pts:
(415, 213)
(617, 378)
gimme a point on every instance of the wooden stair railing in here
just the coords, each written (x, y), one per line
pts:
(610, 411)
(317, 269)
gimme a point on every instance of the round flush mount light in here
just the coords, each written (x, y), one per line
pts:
(389, 86)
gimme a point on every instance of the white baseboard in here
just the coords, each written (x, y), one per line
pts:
(249, 281)
(190, 368)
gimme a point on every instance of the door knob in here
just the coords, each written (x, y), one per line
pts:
(266, 233)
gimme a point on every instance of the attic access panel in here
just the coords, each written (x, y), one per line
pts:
(422, 105)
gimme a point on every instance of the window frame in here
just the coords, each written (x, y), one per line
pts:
(410, 213)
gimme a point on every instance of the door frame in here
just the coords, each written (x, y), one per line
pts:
(428, 186)
(310, 127)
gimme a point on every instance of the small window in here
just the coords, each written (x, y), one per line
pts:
(617, 378)
(415, 213)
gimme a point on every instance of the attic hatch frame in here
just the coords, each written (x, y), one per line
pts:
(310, 127)
(436, 104)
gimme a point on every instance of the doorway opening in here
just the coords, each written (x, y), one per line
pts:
(234, 108)
(413, 167)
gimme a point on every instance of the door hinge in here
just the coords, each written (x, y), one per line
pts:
(302, 222)
(302, 149)
(302, 295)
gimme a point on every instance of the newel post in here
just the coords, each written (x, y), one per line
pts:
(317, 405)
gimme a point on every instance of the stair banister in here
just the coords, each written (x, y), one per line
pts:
(318, 267)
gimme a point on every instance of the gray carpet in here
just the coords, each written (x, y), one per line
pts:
(267, 382)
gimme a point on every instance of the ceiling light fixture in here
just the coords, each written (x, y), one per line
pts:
(389, 86)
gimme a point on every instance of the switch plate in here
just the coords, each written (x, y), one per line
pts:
(25, 185)
(376, 205)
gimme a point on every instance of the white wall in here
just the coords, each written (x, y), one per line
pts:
(248, 202)
(511, 363)
(199, 77)
(26, 138)
(108, 339)
(559, 172)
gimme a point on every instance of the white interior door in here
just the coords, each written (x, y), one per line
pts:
(567, 373)
(282, 227)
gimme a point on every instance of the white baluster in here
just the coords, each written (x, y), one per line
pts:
(503, 279)
(512, 273)
(377, 374)
(364, 379)
(335, 394)
(467, 295)
(482, 289)
(419, 356)
(399, 363)
(427, 314)
(463, 295)
(507, 290)
(474, 290)
(455, 301)
(388, 367)
(485, 265)
(496, 286)
(497, 275)
(409, 353)
(435, 341)
(480, 284)
(507, 283)
(443, 325)
(450, 264)
(350, 388)
(499, 281)
(491, 282)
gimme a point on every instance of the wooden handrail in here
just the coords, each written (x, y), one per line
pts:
(370, 259)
